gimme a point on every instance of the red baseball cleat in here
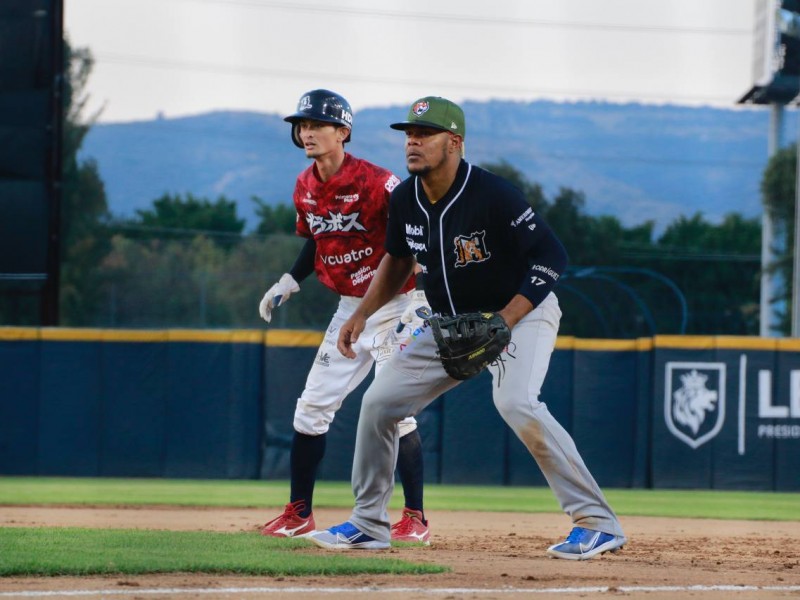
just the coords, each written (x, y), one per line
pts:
(411, 528)
(290, 523)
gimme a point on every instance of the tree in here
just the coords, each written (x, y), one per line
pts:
(532, 191)
(280, 218)
(718, 267)
(175, 217)
(778, 193)
(84, 209)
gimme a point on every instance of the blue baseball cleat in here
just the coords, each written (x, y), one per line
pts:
(583, 544)
(346, 537)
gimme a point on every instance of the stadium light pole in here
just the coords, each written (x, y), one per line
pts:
(768, 279)
(776, 82)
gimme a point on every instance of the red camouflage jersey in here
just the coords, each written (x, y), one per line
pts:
(346, 216)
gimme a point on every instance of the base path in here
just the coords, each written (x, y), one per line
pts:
(492, 555)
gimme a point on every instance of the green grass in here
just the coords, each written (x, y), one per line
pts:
(72, 551)
(182, 492)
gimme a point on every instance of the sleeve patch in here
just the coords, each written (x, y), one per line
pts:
(391, 183)
(526, 216)
(544, 271)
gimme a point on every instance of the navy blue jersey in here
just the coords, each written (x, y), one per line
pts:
(478, 246)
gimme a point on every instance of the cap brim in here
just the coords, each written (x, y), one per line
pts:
(407, 124)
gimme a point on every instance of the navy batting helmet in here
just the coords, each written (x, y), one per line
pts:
(321, 105)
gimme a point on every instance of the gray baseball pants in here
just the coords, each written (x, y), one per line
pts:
(414, 378)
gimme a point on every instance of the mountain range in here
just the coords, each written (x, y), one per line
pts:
(633, 161)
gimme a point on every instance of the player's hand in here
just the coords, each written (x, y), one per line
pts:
(418, 310)
(277, 295)
(348, 335)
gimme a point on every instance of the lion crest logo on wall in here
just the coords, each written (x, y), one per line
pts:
(694, 400)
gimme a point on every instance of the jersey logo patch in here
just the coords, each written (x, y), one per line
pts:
(335, 222)
(471, 249)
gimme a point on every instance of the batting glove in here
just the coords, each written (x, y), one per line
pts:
(418, 310)
(277, 295)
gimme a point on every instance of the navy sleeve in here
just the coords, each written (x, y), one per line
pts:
(547, 259)
(304, 264)
(545, 254)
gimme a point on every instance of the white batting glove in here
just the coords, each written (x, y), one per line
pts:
(418, 310)
(277, 295)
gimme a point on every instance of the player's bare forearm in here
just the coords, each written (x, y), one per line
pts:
(392, 273)
(515, 310)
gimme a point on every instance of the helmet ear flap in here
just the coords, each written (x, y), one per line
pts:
(296, 135)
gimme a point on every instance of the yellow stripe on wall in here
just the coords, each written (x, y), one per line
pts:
(293, 337)
(12, 334)
(718, 342)
(301, 338)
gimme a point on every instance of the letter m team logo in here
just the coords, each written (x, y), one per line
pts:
(694, 400)
(471, 249)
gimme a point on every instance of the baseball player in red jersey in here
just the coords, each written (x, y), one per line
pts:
(342, 207)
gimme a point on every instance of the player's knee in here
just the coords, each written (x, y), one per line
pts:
(377, 409)
(313, 418)
(312, 423)
(514, 407)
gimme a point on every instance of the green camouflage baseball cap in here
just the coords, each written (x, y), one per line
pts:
(436, 112)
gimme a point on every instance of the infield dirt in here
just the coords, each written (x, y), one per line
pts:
(499, 555)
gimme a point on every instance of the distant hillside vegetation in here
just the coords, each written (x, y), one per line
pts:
(637, 162)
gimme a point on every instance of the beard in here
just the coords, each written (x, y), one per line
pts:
(419, 170)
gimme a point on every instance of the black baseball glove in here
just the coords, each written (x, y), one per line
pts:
(469, 342)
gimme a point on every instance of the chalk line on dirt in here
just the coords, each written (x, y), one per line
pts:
(401, 590)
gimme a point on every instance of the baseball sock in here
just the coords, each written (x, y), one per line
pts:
(307, 453)
(411, 470)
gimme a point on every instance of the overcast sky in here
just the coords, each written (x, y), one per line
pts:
(180, 57)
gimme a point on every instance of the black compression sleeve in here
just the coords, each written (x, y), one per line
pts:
(304, 265)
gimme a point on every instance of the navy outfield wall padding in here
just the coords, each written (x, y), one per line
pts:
(717, 403)
(102, 404)
(195, 409)
(203, 411)
(739, 464)
(246, 416)
(604, 410)
(642, 476)
(70, 408)
(133, 435)
(785, 429)
(681, 459)
(682, 411)
(19, 408)
(285, 371)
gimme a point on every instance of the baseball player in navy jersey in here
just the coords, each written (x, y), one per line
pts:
(481, 248)
(342, 207)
